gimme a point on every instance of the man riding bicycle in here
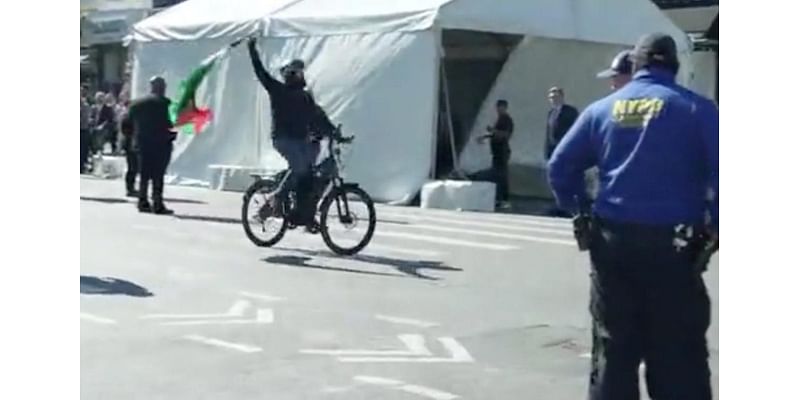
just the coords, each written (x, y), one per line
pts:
(295, 115)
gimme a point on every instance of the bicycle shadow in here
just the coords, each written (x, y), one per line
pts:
(112, 286)
(302, 261)
(408, 268)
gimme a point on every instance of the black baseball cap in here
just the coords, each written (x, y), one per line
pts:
(621, 65)
(656, 49)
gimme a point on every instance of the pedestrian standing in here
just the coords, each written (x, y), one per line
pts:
(656, 145)
(126, 144)
(96, 136)
(107, 123)
(152, 140)
(85, 118)
(559, 120)
(499, 136)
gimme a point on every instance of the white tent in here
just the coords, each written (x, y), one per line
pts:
(376, 67)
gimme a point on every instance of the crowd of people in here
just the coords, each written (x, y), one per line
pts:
(101, 118)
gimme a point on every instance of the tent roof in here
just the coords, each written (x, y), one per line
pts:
(565, 19)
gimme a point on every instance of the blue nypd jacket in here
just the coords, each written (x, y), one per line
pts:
(656, 145)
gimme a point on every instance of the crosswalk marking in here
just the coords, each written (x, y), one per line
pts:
(441, 240)
(525, 226)
(97, 319)
(512, 236)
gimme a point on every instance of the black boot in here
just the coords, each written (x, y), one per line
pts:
(144, 206)
(161, 209)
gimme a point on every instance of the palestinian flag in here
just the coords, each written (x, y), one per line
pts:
(184, 111)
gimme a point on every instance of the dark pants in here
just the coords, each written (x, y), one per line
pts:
(300, 155)
(84, 148)
(648, 303)
(500, 161)
(132, 159)
(153, 164)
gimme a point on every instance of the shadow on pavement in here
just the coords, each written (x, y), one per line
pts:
(407, 267)
(117, 200)
(183, 201)
(209, 218)
(112, 286)
(301, 261)
(236, 221)
(107, 200)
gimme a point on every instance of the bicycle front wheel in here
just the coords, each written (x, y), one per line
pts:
(347, 220)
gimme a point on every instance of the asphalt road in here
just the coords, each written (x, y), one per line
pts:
(441, 305)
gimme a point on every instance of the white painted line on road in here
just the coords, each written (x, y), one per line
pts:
(263, 316)
(419, 390)
(264, 297)
(457, 351)
(221, 343)
(377, 380)
(401, 250)
(239, 307)
(458, 354)
(237, 310)
(512, 236)
(97, 319)
(441, 240)
(566, 229)
(428, 392)
(407, 321)
(415, 346)
(512, 219)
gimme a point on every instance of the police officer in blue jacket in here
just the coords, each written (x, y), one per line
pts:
(656, 145)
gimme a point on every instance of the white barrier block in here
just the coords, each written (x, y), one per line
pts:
(109, 167)
(458, 195)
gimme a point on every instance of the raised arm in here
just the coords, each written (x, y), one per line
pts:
(269, 83)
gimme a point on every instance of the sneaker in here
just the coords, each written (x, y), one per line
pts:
(145, 207)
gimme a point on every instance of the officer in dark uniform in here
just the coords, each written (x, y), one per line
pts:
(656, 145)
(152, 137)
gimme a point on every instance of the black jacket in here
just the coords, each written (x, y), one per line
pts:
(151, 123)
(556, 129)
(294, 112)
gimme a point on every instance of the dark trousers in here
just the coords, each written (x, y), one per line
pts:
(300, 155)
(152, 167)
(648, 303)
(84, 148)
(132, 159)
(500, 170)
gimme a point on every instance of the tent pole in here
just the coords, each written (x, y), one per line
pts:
(449, 116)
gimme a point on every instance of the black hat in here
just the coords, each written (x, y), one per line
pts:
(296, 64)
(656, 49)
(620, 66)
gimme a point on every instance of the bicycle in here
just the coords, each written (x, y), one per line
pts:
(331, 190)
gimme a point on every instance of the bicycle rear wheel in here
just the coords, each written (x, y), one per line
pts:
(263, 225)
(347, 220)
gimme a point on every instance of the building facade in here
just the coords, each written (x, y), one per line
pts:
(104, 25)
